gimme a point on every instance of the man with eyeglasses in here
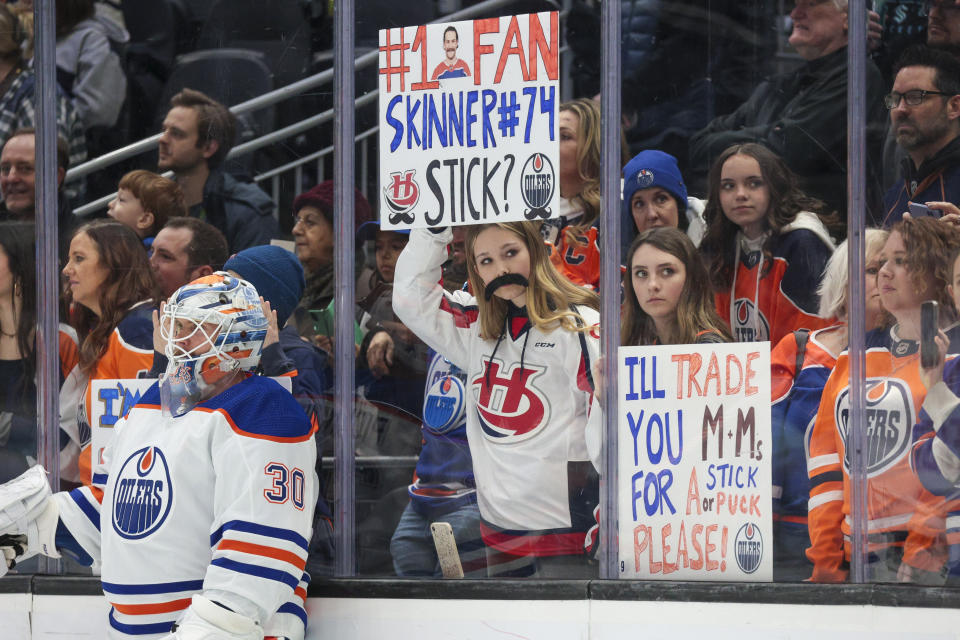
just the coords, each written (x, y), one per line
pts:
(925, 120)
(801, 115)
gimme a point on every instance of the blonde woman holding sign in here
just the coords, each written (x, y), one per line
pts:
(527, 342)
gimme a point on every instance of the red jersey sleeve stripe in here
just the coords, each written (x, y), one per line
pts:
(260, 550)
(463, 317)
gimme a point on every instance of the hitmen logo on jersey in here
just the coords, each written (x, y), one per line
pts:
(749, 325)
(510, 407)
(888, 421)
(748, 547)
(142, 494)
(443, 408)
(537, 182)
(402, 195)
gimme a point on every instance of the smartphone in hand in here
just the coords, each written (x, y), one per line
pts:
(920, 210)
(929, 328)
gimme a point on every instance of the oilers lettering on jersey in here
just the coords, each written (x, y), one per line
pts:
(444, 404)
(889, 420)
(509, 404)
(142, 494)
(749, 324)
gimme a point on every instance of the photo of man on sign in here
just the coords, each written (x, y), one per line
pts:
(452, 66)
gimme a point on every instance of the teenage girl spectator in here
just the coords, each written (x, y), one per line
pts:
(905, 522)
(796, 398)
(654, 195)
(573, 233)
(18, 322)
(145, 201)
(111, 292)
(766, 245)
(667, 293)
(527, 342)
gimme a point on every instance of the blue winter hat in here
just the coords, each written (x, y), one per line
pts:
(653, 168)
(275, 273)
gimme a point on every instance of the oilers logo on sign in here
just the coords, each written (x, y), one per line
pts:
(888, 421)
(510, 406)
(443, 408)
(142, 495)
(537, 182)
(749, 324)
(748, 548)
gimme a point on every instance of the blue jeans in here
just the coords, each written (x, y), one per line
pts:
(412, 543)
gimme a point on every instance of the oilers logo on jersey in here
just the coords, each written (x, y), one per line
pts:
(444, 404)
(749, 324)
(142, 495)
(510, 406)
(889, 419)
(748, 547)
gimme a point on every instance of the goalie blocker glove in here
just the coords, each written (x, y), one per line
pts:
(28, 517)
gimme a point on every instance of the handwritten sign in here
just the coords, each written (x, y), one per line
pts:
(694, 462)
(468, 121)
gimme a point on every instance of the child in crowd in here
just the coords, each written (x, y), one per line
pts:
(905, 522)
(145, 201)
(766, 245)
(801, 364)
(671, 302)
(526, 342)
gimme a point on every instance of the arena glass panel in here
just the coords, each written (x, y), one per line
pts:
(743, 48)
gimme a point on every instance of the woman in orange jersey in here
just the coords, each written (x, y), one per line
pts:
(801, 364)
(904, 521)
(111, 291)
(572, 235)
(668, 298)
(18, 322)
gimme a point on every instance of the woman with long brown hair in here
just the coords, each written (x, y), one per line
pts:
(766, 245)
(667, 293)
(111, 293)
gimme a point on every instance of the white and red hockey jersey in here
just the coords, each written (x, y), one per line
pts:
(527, 404)
(218, 501)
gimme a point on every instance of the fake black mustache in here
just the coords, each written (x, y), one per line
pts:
(499, 281)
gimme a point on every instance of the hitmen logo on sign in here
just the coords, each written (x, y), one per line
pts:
(537, 184)
(402, 195)
(510, 407)
(142, 494)
(748, 547)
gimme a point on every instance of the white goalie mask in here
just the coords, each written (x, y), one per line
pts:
(213, 327)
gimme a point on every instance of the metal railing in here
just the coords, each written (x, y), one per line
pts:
(270, 99)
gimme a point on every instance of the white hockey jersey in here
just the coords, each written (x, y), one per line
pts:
(526, 412)
(218, 501)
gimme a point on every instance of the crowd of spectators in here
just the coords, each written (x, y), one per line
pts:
(732, 219)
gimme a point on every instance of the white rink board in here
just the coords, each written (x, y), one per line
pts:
(62, 617)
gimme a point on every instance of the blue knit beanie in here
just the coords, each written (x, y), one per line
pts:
(275, 273)
(653, 168)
